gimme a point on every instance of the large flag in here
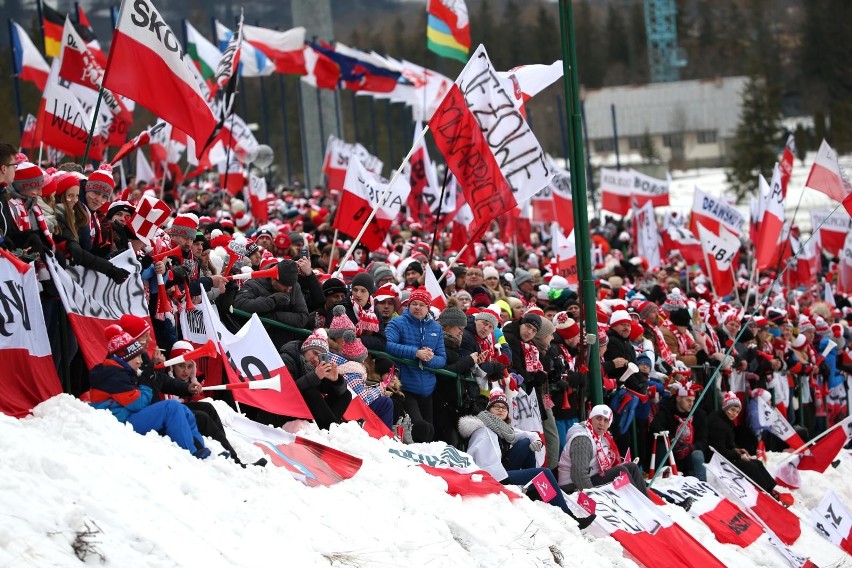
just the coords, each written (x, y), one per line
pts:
(422, 179)
(682, 240)
(555, 202)
(204, 55)
(823, 450)
(831, 230)
(284, 49)
(253, 63)
(771, 419)
(143, 47)
(767, 246)
(29, 375)
(93, 301)
(833, 520)
(644, 530)
(448, 28)
(564, 253)
(647, 233)
(361, 195)
(29, 64)
(827, 176)
(715, 211)
(720, 253)
(355, 71)
(729, 524)
(489, 147)
(740, 489)
(530, 80)
(144, 171)
(616, 187)
(52, 24)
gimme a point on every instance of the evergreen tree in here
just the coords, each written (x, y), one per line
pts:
(546, 46)
(648, 149)
(754, 145)
(803, 142)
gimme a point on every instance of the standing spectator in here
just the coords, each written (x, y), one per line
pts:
(278, 298)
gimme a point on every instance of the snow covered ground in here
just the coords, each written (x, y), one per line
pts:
(70, 474)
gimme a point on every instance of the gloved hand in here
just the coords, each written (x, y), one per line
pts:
(282, 299)
(535, 445)
(751, 377)
(118, 275)
(179, 274)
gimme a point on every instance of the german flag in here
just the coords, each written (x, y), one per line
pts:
(53, 23)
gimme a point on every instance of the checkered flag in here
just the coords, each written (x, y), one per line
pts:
(150, 214)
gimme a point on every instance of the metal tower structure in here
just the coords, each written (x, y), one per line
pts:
(664, 57)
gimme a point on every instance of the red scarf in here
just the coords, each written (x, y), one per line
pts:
(665, 353)
(608, 455)
(684, 341)
(485, 346)
(684, 445)
(531, 361)
(22, 217)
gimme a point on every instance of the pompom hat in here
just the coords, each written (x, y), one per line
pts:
(101, 181)
(121, 344)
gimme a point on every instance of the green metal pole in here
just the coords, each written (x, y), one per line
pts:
(582, 237)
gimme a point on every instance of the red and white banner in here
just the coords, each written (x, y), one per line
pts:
(420, 172)
(741, 490)
(336, 162)
(93, 301)
(564, 253)
(831, 229)
(257, 196)
(823, 450)
(29, 375)
(649, 189)
(555, 202)
(526, 81)
(147, 64)
(833, 520)
(771, 419)
(360, 196)
(771, 222)
(827, 176)
(683, 240)
(151, 213)
(439, 300)
(142, 139)
(616, 187)
(720, 251)
(647, 233)
(728, 523)
(645, 532)
(285, 49)
(713, 212)
(487, 144)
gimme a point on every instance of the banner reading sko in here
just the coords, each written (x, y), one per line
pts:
(487, 144)
(147, 64)
(644, 531)
(29, 376)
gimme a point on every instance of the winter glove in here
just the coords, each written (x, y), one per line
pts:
(282, 300)
(535, 445)
(179, 274)
(118, 275)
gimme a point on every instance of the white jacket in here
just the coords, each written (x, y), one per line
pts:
(575, 431)
(484, 445)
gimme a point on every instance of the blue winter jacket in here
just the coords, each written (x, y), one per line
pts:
(405, 335)
(115, 388)
(834, 377)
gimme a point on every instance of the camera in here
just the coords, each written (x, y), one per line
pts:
(304, 253)
(324, 357)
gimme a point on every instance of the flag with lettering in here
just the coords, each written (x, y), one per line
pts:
(647, 232)
(771, 222)
(227, 70)
(650, 189)
(555, 202)
(721, 250)
(616, 187)
(713, 212)
(93, 301)
(421, 177)
(833, 521)
(29, 64)
(487, 144)
(545, 489)
(361, 194)
(644, 530)
(827, 176)
(831, 229)
(771, 420)
(148, 65)
(29, 375)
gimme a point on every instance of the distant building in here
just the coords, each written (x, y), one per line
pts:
(691, 123)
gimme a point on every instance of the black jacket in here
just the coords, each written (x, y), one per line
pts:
(667, 420)
(720, 436)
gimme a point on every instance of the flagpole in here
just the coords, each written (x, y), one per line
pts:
(40, 15)
(440, 208)
(94, 123)
(381, 200)
(571, 83)
(790, 455)
(40, 148)
(333, 252)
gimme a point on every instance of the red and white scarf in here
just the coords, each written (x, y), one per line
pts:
(531, 361)
(685, 441)
(22, 217)
(486, 346)
(663, 347)
(684, 341)
(606, 454)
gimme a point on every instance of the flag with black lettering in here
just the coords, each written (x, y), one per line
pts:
(721, 252)
(833, 521)
(148, 65)
(713, 212)
(29, 375)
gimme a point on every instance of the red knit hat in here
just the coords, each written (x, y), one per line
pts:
(421, 295)
(185, 225)
(340, 323)
(67, 180)
(497, 396)
(731, 400)
(28, 177)
(101, 181)
(49, 182)
(180, 348)
(566, 327)
(120, 343)
(134, 325)
(353, 348)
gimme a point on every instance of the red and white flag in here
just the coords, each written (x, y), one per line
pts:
(647, 233)
(833, 520)
(645, 531)
(831, 230)
(425, 190)
(29, 64)
(827, 176)
(823, 450)
(257, 196)
(144, 171)
(439, 300)
(142, 139)
(28, 139)
(741, 490)
(684, 241)
(487, 144)
(771, 419)
(845, 266)
(769, 231)
(728, 523)
(786, 164)
(555, 202)
(616, 187)
(144, 47)
(720, 253)
(564, 253)
(29, 375)
(361, 195)
(649, 189)
(713, 212)
(336, 162)
(150, 215)
(285, 49)
(545, 489)
(526, 81)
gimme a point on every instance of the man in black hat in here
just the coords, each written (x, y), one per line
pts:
(280, 299)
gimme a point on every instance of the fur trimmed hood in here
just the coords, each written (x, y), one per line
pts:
(468, 425)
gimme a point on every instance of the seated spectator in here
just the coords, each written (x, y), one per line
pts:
(350, 363)
(116, 387)
(591, 458)
(689, 449)
(317, 378)
(505, 452)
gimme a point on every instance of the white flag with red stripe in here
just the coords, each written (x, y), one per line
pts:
(616, 187)
(147, 64)
(142, 139)
(647, 233)
(144, 171)
(833, 520)
(487, 144)
(650, 189)
(721, 251)
(527, 81)
(439, 300)
(771, 223)
(682, 240)
(336, 162)
(564, 253)
(832, 231)
(285, 49)
(827, 176)
(715, 211)
(772, 420)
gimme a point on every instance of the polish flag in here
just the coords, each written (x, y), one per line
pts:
(650, 536)
(28, 140)
(336, 161)
(361, 193)
(771, 419)
(425, 190)
(616, 187)
(683, 240)
(735, 485)
(728, 523)
(786, 165)
(720, 253)
(321, 71)
(555, 202)
(29, 64)
(827, 176)
(144, 171)
(845, 266)
(805, 265)
(494, 155)
(142, 139)
(772, 197)
(285, 49)
(833, 520)
(527, 81)
(824, 449)
(832, 230)
(29, 375)
(650, 189)
(713, 212)
(151, 213)
(564, 253)
(147, 64)
(372, 424)
(647, 233)
(439, 300)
